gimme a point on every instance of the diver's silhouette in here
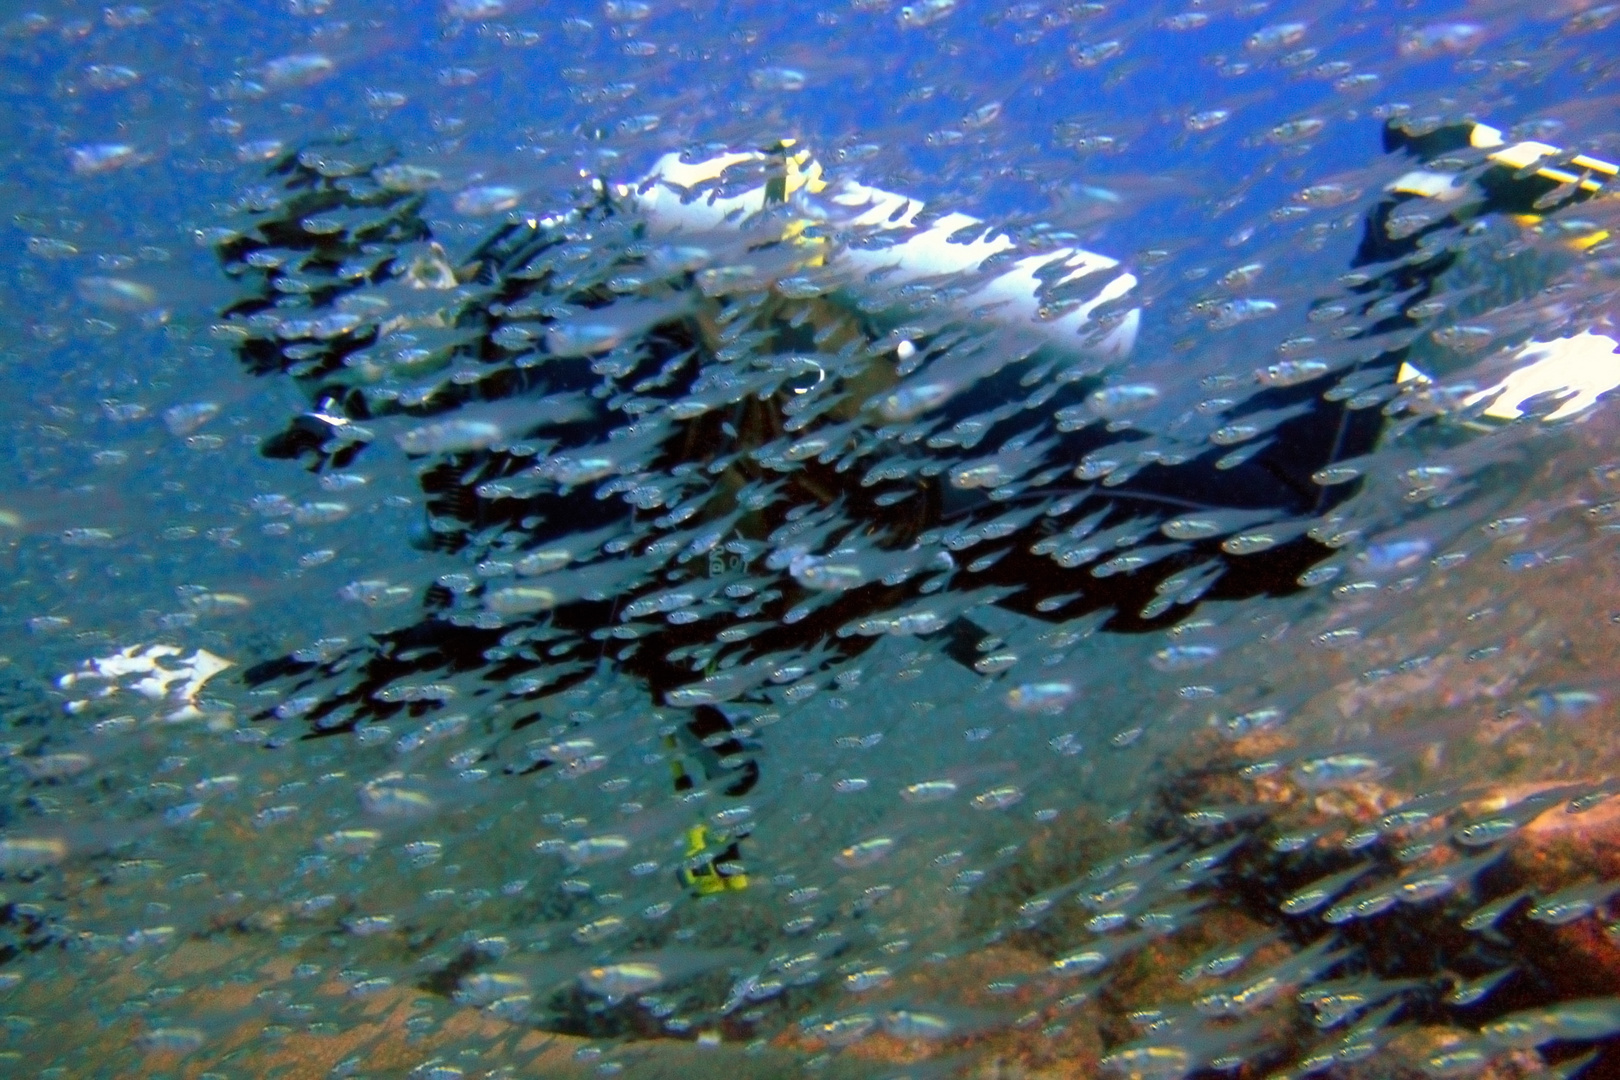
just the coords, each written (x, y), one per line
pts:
(336, 234)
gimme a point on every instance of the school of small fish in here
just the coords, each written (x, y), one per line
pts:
(671, 607)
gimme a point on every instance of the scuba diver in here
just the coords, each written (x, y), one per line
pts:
(721, 430)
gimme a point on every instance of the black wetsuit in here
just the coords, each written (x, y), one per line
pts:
(522, 268)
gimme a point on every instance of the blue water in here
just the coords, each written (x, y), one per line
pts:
(1091, 854)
